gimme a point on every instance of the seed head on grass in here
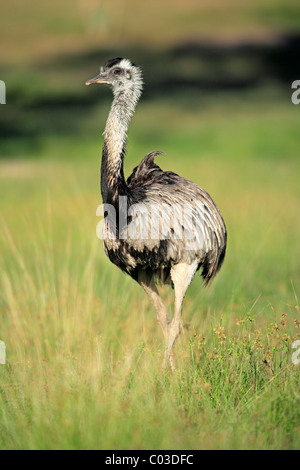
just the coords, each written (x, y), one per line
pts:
(220, 334)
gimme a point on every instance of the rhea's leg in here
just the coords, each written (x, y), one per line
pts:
(181, 275)
(150, 288)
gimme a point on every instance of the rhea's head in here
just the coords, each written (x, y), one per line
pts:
(120, 74)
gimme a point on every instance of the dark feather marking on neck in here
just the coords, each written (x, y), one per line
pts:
(113, 182)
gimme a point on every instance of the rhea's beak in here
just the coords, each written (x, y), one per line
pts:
(100, 78)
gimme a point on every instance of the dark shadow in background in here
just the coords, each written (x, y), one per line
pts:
(186, 72)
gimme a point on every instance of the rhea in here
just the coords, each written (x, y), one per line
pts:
(172, 226)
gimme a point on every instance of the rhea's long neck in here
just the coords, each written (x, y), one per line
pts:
(112, 175)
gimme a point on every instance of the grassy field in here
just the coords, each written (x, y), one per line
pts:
(84, 350)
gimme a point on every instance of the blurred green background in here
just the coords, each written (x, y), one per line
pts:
(195, 55)
(83, 346)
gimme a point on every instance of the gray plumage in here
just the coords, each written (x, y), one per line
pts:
(172, 226)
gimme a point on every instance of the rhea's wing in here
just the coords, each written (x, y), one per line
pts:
(181, 218)
(173, 220)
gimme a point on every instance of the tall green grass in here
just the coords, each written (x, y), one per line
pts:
(84, 351)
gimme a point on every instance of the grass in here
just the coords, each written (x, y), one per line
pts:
(84, 350)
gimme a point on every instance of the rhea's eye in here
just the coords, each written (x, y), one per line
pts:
(117, 71)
